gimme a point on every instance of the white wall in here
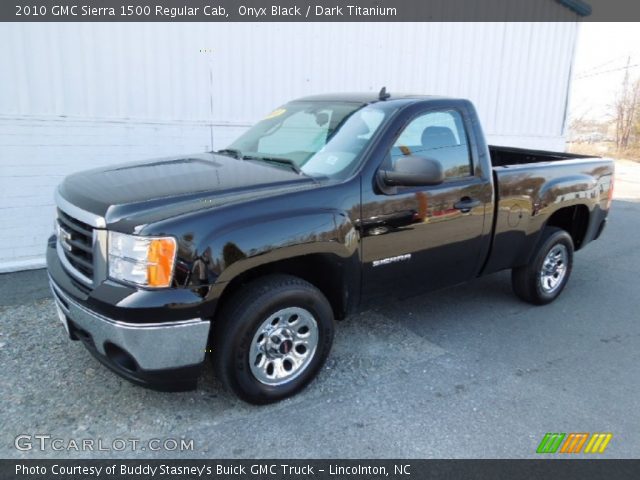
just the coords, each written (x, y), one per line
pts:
(76, 96)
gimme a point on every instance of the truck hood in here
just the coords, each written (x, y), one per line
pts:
(158, 189)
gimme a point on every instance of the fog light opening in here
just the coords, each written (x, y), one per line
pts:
(120, 357)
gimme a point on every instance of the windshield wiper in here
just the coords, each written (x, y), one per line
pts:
(232, 152)
(279, 161)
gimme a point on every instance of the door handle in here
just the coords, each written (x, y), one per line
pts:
(466, 204)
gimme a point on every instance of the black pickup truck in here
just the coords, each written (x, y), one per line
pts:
(330, 201)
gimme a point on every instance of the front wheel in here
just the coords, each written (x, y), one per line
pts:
(543, 279)
(272, 338)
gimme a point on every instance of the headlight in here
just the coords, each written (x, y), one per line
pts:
(146, 261)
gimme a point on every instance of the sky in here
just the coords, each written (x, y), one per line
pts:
(602, 52)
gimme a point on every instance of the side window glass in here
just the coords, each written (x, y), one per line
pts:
(439, 135)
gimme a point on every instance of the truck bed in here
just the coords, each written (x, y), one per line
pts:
(505, 156)
(537, 185)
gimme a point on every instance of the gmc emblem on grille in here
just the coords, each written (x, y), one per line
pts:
(65, 238)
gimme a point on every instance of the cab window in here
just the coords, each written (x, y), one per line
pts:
(439, 135)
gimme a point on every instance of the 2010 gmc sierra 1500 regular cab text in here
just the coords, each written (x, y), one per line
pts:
(253, 251)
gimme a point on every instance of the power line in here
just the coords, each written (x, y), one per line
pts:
(591, 69)
(626, 67)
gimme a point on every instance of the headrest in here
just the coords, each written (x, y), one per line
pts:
(438, 137)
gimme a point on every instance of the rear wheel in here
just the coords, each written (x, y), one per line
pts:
(543, 279)
(272, 338)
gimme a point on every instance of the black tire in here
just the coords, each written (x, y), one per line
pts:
(528, 281)
(237, 325)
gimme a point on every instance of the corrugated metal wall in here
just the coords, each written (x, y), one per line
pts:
(75, 96)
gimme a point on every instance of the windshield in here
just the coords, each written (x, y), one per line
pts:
(315, 138)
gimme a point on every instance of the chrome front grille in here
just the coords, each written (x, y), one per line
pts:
(81, 242)
(76, 240)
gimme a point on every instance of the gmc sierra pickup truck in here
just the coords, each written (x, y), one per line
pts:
(252, 252)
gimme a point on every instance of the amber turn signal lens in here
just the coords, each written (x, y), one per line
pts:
(161, 258)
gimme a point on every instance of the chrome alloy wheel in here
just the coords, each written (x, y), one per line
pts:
(283, 346)
(554, 268)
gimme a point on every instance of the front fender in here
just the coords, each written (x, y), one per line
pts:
(254, 242)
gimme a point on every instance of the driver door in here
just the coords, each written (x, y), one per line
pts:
(422, 238)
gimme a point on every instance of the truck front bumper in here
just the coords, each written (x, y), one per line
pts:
(165, 356)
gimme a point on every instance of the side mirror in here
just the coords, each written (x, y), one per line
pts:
(412, 171)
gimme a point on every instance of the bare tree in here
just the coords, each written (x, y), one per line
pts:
(627, 110)
(636, 122)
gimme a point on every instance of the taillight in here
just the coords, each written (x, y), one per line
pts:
(610, 197)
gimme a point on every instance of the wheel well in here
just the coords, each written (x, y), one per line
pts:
(324, 271)
(574, 220)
